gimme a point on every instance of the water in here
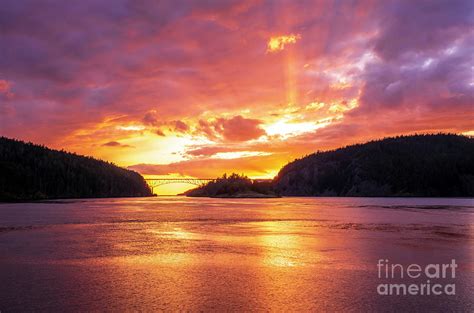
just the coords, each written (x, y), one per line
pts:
(196, 254)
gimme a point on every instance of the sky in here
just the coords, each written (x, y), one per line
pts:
(199, 88)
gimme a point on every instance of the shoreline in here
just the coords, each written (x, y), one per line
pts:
(62, 200)
(72, 199)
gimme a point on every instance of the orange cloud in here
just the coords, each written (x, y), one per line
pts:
(278, 43)
(237, 128)
(116, 144)
(5, 89)
(255, 166)
(180, 126)
(4, 86)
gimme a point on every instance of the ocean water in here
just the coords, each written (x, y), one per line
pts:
(198, 254)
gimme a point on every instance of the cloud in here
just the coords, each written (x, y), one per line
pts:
(207, 151)
(150, 119)
(4, 86)
(278, 43)
(414, 27)
(256, 166)
(159, 132)
(421, 75)
(116, 144)
(235, 129)
(180, 126)
(5, 90)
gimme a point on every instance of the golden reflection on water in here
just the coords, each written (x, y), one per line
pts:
(220, 255)
(162, 259)
(176, 233)
(272, 243)
(280, 247)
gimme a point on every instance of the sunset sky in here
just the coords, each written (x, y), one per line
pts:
(199, 88)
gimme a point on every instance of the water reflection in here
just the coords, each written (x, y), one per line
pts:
(177, 254)
(175, 233)
(280, 248)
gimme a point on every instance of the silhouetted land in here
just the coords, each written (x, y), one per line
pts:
(31, 172)
(234, 186)
(421, 165)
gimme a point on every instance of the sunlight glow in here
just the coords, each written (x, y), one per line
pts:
(278, 43)
(340, 107)
(131, 127)
(155, 150)
(281, 247)
(239, 154)
(285, 128)
(315, 105)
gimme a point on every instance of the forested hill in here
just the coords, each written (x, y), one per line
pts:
(29, 171)
(420, 165)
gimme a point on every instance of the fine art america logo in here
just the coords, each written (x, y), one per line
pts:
(431, 275)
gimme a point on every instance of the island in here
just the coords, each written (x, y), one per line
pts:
(234, 186)
(34, 172)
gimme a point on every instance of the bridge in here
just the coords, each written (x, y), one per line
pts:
(155, 182)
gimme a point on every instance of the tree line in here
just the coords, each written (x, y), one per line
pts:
(436, 165)
(233, 185)
(29, 172)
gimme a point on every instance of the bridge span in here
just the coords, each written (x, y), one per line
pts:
(155, 182)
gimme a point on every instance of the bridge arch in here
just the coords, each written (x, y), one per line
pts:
(156, 182)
